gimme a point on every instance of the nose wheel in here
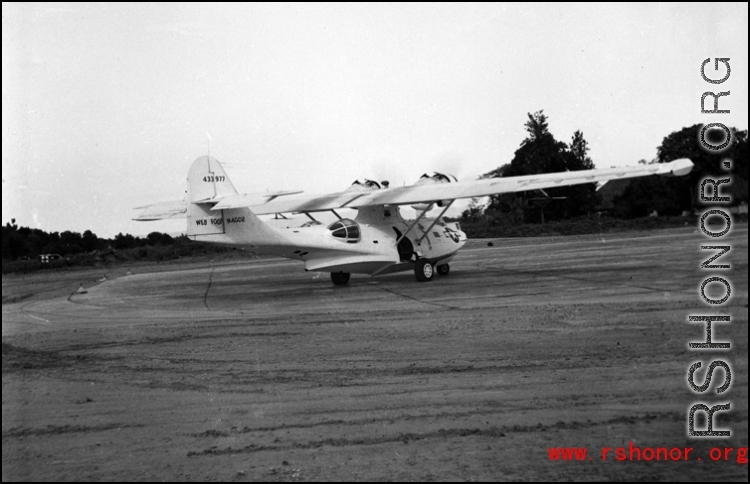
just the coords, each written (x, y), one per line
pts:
(424, 270)
(444, 269)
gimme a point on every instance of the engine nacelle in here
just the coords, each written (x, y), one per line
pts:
(427, 180)
(436, 178)
(366, 186)
(423, 207)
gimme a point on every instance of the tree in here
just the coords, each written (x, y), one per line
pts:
(537, 127)
(153, 238)
(685, 144)
(70, 242)
(540, 152)
(496, 173)
(649, 194)
(672, 196)
(166, 239)
(12, 241)
(473, 212)
(126, 241)
(89, 241)
(157, 238)
(34, 243)
(580, 149)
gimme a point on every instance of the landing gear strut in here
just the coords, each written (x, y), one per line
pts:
(424, 270)
(340, 278)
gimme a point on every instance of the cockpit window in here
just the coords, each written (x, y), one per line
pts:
(345, 229)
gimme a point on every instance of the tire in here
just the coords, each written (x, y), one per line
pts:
(444, 269)
(424, 270)
(340, 278)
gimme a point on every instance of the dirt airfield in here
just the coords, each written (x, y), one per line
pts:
(256, 370)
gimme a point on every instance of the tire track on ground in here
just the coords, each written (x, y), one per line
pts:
(493, 432)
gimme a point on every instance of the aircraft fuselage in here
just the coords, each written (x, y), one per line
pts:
(385, 243)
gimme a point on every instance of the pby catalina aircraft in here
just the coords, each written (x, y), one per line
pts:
(378, 240)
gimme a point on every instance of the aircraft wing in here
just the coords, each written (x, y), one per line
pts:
(162, 210)
(427, 193)
(250, 199)
(310, 203)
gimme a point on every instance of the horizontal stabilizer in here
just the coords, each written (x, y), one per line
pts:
(211, 201)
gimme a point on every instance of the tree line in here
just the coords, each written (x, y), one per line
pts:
(26, 242)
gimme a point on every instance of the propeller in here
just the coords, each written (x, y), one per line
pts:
(367, 185)
(445, 166)
(453, 165)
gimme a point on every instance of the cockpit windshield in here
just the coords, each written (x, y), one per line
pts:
(345, 229)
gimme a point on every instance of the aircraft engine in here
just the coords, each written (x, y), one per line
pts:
(427, 180)
(366, 186)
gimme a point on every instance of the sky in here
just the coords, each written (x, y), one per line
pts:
(104, 106)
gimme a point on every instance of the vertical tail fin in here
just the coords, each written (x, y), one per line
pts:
(207, 184)
(207, 180)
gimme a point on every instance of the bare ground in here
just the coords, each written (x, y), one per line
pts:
(259, 371)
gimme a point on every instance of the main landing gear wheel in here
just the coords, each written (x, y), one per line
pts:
(340, 278)
(424, 270)
(444, 269)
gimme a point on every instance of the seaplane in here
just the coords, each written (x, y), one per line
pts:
(378, 240)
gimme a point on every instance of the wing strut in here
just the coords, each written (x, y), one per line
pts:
(434, 222)
(414, 224)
